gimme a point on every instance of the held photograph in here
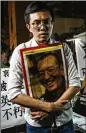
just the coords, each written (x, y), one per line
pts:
(45, 72)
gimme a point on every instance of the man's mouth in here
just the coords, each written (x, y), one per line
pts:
(44, 34)
(49, 82)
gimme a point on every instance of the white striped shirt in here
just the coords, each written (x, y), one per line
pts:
(15, 80)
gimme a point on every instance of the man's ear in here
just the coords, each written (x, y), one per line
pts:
(28, 26)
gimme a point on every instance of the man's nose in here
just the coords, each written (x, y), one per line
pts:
(42, 26)
(46, 75)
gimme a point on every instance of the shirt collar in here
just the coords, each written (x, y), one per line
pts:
(34, 43)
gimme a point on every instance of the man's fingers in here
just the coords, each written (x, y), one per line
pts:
(35, 117)
(59, 104)
(38, 115)
(64, 102)
(35, 113)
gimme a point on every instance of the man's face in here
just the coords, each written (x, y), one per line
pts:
(50, 74)
(4, 57)
(40, 26)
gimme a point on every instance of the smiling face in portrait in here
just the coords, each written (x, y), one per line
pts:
(40, 26)
(49, 71)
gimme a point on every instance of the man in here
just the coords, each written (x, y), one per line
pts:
(39, 21)
(4, 55)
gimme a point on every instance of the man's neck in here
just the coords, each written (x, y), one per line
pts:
(43, 42)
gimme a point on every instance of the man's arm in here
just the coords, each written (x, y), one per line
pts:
(27, 101)
(59, 104)
(30, 102)
(73, 77)
(68, 94)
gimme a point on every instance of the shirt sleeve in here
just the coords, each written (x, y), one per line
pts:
(73, 76)
(15, 79)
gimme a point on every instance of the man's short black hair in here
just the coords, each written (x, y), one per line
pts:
(57, 55)
(36, 6)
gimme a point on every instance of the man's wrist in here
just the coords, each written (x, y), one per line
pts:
(48, 107)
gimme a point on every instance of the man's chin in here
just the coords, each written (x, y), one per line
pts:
(51, 88)
(44, 40)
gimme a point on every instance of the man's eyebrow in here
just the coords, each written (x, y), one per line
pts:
(42, 19)
(47, 68)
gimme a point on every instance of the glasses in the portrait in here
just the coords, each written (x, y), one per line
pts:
(50, 71)
(38, 23)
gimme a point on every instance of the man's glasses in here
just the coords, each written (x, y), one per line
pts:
(50, 71)
(38, 23)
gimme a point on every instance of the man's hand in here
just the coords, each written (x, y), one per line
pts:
(38, 115)
(59, 105)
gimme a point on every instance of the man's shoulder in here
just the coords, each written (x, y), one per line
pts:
(24, 45)
(16, 51)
